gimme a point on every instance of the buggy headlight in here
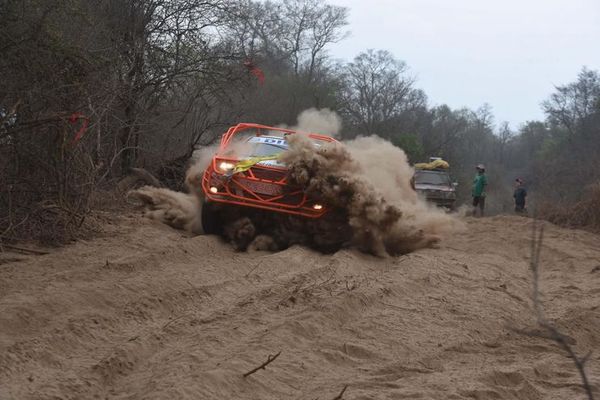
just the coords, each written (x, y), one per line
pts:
(225, 166)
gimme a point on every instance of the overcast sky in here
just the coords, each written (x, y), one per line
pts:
(508, 53)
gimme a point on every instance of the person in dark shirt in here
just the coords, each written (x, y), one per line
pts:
(520, 195)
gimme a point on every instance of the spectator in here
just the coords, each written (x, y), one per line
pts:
(520, 196)
(478, 192)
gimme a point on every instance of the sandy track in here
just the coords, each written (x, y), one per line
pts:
(147, 312)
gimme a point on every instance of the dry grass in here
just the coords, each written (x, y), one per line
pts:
(583, 214)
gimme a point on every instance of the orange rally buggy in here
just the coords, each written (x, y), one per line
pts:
(246, 172)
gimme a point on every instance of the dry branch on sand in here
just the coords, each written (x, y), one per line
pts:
(339, 396)
(270, 359)
(21, 249)
(548, 330)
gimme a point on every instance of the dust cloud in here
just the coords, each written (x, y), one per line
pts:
(364, 182)
(179, 210)
(202, 156)
(323, 121)
(369, 181)
(386, 168)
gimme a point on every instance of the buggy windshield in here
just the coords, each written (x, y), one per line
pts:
(264, 150)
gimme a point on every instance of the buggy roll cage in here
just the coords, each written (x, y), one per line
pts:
(261, 186)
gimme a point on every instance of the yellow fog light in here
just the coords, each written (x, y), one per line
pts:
(214, 189)
(318, 207)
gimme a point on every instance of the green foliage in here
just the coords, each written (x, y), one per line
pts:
(411, 145)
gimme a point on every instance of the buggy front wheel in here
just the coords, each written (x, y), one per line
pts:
(211, 223)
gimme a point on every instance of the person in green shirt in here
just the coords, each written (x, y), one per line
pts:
(478, 192)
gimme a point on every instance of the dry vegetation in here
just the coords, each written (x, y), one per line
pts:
(584, 213)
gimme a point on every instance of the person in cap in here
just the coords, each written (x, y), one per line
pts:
(520, 196)
(478, 191)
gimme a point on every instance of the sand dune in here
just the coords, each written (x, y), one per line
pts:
(146, 312)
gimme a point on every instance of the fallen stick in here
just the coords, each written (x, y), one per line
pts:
(339, 396)
(270, 359)
(25, 250)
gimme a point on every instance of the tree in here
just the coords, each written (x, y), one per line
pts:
(567, 159)
(138, 69)
(443, 132)
(504, 136)
(411, 145)
(377, 91)
(288, 40)
(576, 106)
(289, 33)
(163, 48)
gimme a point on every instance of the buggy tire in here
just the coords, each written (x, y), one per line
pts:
(211, 223)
